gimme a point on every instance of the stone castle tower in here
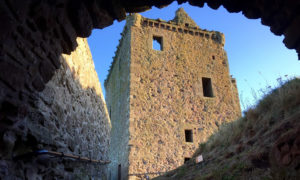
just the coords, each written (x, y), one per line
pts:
(167, 91)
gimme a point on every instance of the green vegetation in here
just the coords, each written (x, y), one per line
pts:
(242, 149)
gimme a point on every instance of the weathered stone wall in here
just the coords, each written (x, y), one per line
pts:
(68, 116)
(163, 94)
(236, 97)
(117, 99)
(166, 94)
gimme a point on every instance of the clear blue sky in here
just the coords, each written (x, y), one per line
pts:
(256, 56)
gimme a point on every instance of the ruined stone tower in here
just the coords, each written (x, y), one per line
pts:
(167, 91)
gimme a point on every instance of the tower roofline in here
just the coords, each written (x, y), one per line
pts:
(173, 23)
(181, 17)
(182, 23)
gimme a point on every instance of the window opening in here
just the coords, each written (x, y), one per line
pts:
(186, 159)
(110, 112)
(157, 43)
(186, 24)
(145, 23)
(207, 87)
(188, 135)
(119, 172)
(213, 57)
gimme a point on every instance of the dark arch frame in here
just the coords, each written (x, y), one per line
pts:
(34, 33)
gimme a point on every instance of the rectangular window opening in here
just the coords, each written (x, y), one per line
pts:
(207, 87)
(145, 23)
(188, 135)
(119, 172)
(186, 159)
(110, 112)
(157, 43)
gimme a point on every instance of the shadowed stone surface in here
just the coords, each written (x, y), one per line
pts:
(68, 116)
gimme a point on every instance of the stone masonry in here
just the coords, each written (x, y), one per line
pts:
(163, 103)
(68, 116)
(117, 99)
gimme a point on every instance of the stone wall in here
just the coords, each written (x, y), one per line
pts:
(236, 97)
(166, 93)
(68, 116)
(117, 98)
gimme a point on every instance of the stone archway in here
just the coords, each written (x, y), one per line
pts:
(35, 33)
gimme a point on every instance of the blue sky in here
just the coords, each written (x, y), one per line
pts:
(257, 58)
